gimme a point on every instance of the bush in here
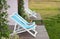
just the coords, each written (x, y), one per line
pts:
(12, 37)
(21, 7)
(4, 31)
(21, 11)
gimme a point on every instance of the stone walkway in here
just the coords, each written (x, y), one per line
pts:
(42, 34)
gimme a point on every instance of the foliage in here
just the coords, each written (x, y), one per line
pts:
(20, 7)
(21, 11)
(15, 36)
(25, 16)
(4, 31)
(53, 26)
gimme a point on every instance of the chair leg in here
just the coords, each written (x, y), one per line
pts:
(35, 32)
(15, 28)
(32, 33)
(14, 31)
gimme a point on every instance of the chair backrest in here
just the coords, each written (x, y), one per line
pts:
(22, 19)
(18, 21)
(32, 13)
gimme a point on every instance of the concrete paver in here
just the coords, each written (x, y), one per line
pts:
(42, 34)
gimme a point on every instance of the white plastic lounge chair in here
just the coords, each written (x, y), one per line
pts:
(25, 26)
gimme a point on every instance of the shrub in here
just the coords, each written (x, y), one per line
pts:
(15, 36)
(4, 31)
(21, 11)
(20, 7)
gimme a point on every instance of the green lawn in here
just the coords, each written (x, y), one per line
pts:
(49, 11)
(45, 8)
(52, 25)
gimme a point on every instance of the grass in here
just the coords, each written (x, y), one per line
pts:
(53, 26)
(45, 8)
(49, 10)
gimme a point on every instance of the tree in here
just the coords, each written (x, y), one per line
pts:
(21, 7)
(21, 11)
(4, 31)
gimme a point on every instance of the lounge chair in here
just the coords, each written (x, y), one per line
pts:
(30, 12)
(24, 21)
(23, 24)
